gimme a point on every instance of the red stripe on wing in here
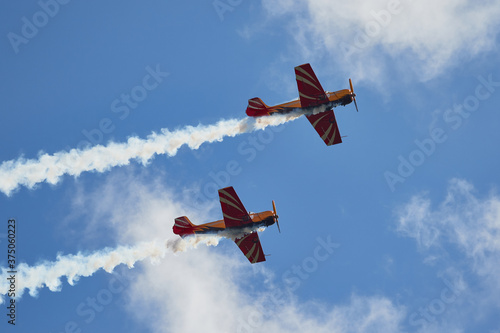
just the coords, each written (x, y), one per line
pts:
(233, 210)
(311, 92)
(251, 247)
(326, 125)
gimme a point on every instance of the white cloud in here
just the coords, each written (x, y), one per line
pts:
(369, 38)
(461, 236)
(136, 208)
(205, 290)
(463, 220)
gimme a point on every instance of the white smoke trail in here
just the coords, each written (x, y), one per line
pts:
(49, 274)
(50, 168)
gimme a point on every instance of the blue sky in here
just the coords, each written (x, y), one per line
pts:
(396, 229)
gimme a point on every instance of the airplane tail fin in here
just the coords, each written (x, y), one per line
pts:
(256, 108)
(183, 226)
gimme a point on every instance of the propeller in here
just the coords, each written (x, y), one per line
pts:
(276, 216)
(353, 95)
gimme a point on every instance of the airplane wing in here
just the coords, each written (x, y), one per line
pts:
(311, 92)
(251, 248)
(326, 125)
(233, 210)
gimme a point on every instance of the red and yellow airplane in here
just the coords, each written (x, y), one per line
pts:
(311, 95)
(236, 218)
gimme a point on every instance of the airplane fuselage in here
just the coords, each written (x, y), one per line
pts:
(336, 98)
(262, 219)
